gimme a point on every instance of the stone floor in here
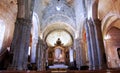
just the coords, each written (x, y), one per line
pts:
(68, 71)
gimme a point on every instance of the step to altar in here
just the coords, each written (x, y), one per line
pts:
(60, 66)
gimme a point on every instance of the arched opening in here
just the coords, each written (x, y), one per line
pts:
(59, 42)
(111, 30)
(111, 41)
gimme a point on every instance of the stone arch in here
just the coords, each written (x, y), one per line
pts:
(92, 9)
(8, 14)
(95, 9)
(111, 41)
(108, 27)
(58, 25)
(108, 20)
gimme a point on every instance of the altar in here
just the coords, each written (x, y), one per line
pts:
(58, 56)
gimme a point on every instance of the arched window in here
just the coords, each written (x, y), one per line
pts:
(118, 51)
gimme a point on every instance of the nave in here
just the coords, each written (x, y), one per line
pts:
(59, 36)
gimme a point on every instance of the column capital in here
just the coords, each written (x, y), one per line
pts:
(24, 22)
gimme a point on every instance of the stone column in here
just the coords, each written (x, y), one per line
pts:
(77, 59)
(21, 36)
(100, 49)
(78, 54)
(41, 55)
(93, 51)
(99, 38)
(20, 43)
(89, 46)
(93, 43)
(38, 57)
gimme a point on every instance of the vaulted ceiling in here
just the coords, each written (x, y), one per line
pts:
(8, 13)
(109, 9)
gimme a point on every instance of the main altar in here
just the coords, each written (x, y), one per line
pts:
(58, 56)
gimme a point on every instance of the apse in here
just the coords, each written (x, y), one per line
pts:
(63, 35)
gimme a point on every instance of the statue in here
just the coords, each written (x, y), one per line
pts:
(58, 42)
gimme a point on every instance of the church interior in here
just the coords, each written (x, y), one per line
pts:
(66, 36)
